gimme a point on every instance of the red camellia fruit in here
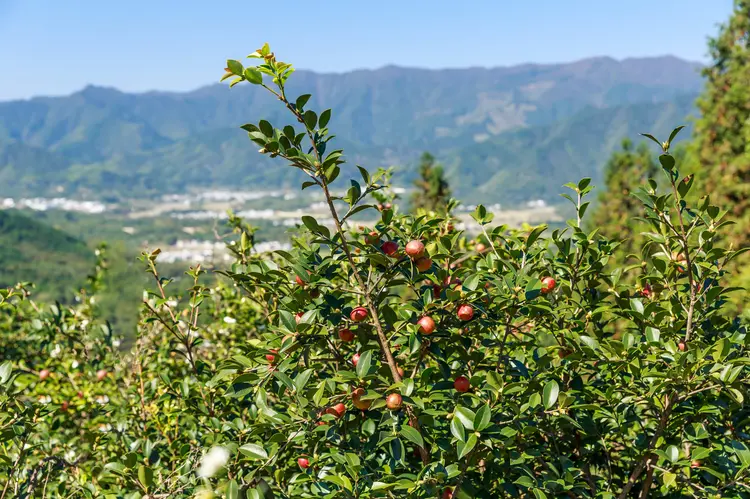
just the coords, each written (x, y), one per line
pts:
(447, 493)
(64, 405)
(465, 312)
(271, 356)
(462, 384)
(299, 280)
(646, 292)
(393, 401)
(80, 395)
(548, 284)
(372, 238)
(355, 359)
(358, 314)
(101, 374)
(390, 248)
(682, 346)
(303, 462)
(426, 325)
(400, 372)
(423, 264)
(337, 410)
(357, 399)
(43, 374)
(695, 464)
(346, 335)
(415, 249)
(481, 248)
(298, 317)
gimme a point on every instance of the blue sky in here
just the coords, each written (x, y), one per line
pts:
(52, 47)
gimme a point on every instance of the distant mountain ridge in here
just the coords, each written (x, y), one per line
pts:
(101, 139)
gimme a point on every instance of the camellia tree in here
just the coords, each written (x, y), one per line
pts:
(391, 361)
(396, 365)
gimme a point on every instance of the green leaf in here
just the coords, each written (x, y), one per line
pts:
(652, 334)
(253, 76)
(683, 188)
(667, 161)
(301, 380)
(674, 133)
(310, 223)
(550, 393)
(412, 435)
(466, 416)
(301, 101)
(465, 448)
(254, 451)
(648, 135)
(364, 363)
(534, 235)
(673, 453)
(233, 490)
(481, 216)
(287, 320)
(637, 305)
(117, 468)
(235, 67)
(310, 119)
(668, 479)
(145, 476)
(339, 480)
(5, 370)
(325, 116)
(482, 419)
(538, 494)
(457, 429)
(742, 452)
(472, 282)
(266, 128)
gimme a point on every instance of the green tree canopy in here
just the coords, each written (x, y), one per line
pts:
(722, 133)
(432, 190)
(628, 168)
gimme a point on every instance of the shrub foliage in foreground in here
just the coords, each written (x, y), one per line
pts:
(395, 360)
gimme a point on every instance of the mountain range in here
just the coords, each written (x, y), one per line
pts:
(505, 134)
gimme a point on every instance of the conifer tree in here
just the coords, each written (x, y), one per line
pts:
(432, 190)
(627, 169)
(721, 147)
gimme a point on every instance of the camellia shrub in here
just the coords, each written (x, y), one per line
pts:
(398, 359)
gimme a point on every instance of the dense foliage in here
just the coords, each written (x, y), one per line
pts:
(617, 209)
(722, 133)
(396, 360)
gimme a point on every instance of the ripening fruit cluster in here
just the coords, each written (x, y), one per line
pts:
(360, 324)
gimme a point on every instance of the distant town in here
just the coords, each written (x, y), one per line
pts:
(277, 207)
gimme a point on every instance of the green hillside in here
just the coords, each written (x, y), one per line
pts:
(33, 252)
(102, 140)
(533, 163)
